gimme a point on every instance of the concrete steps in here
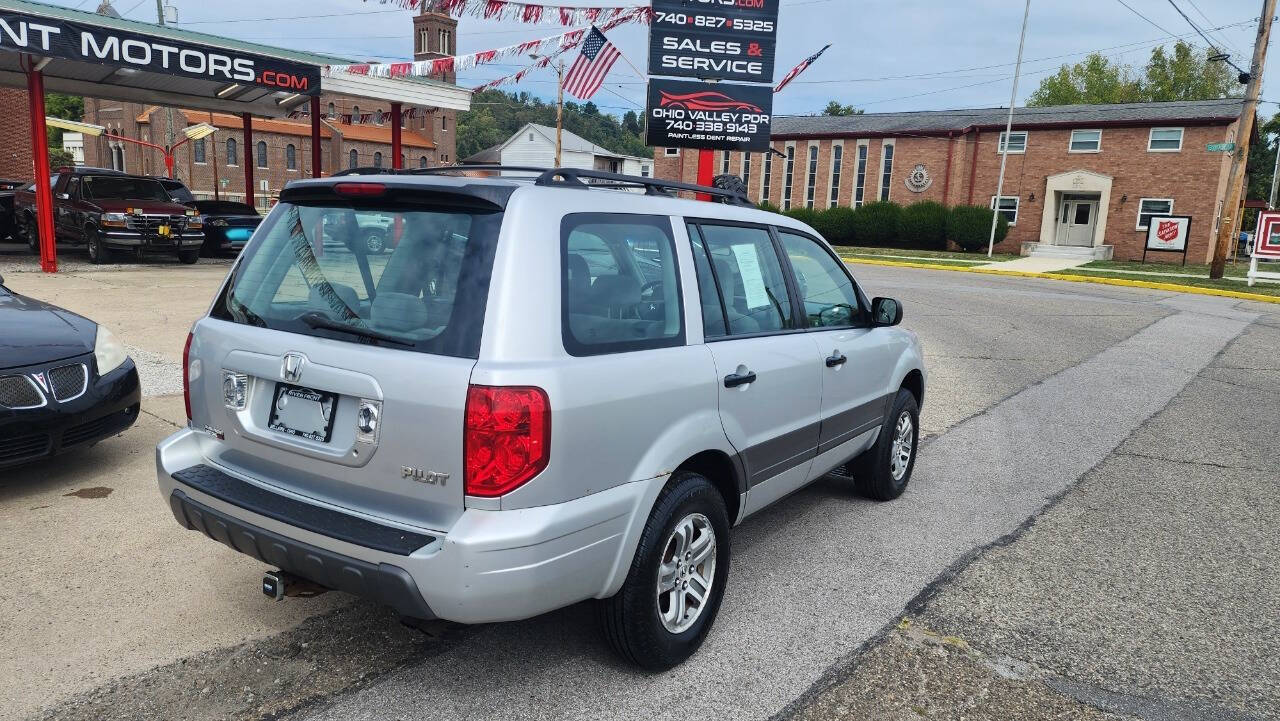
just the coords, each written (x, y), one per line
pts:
(1043, 250)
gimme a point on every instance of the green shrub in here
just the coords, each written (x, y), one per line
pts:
(877, 223)
(766, 205)
(808, 216)
(836, 225)
(924, 225)
(969, 226)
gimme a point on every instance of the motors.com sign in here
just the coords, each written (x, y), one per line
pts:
(71, 40)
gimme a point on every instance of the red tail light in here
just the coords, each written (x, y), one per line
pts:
(186, 376)
(506, 438)
(360, 189)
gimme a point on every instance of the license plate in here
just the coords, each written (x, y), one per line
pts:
(303, 412)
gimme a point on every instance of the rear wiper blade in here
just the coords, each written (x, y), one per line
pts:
(319, 320)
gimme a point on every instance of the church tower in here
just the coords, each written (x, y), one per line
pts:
(434, 36)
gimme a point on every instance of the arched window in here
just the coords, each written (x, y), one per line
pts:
(353, 159)
(290, 157)
(231, 151)
(422, 162)
(331, 110)
(262, 153)
(377, 160)
(377, 116)
(117, 158)
(355, 114)
(197, 150)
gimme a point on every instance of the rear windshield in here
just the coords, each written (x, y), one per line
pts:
(409, 277)
(109, 187)
(224, 207)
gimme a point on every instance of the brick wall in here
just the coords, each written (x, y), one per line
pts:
(15, 127)
(1192, 177)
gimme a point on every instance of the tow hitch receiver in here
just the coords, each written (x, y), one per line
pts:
(278, 584)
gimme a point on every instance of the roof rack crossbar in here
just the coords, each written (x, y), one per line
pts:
(572, 177)
(437, 170)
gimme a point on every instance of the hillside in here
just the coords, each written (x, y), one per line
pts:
(496, 115)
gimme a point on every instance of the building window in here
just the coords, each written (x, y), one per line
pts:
(290, 157)
(886, 170)
(644, 171)
(353, 159)
(531, 137)
(837, 158)
(789, 175)
(1008, 207)
(377, 117)
(1017, 142)
(422, 41)
(231, 151)
(724, 162)
(446, 40)
(262, 153)
(444, 157)
(1165, 140)
(1085, 141)
(117, 158)
(670, 152)
(377, 160)
(812, 178)
(197, 151)
(331, 110)
(355, 114)
(422, 162)
(768, 175)
(860, 178)
(1148, 208)
(746, 172)
(444, 124)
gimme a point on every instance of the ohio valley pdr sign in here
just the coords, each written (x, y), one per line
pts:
(70, 40)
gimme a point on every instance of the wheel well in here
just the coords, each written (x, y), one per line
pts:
(914, 382)
(720, 470)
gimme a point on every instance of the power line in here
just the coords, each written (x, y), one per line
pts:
(1144, 17)
(1212, 45)
(1220, 36)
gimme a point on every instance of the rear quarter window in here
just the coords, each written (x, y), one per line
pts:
(620, 284)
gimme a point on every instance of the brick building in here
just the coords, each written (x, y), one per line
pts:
(1083, 177)
(15, 122)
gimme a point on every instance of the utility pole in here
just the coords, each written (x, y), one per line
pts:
(168, 111)
(1244, 128)
(559, 108)
(1008, 128)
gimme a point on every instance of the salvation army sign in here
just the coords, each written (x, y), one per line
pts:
(70, 40)
(718, 116)
(1168, 233)
(714, 39)
(1266, 243)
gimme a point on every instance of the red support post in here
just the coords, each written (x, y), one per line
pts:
(40, 152)
(315, 136)
(706, 170)
(248, 159)
(396, 152)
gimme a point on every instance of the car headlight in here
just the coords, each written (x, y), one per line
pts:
(120, 219)
(108, 351)
(219, 222)
(195, 221)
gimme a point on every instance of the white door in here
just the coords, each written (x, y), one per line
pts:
(1075, 226)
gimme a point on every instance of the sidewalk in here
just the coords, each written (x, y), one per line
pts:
(1039, 264)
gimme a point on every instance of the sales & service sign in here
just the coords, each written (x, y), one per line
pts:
(714, 39)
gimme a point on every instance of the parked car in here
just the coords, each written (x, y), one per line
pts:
(547, 393)
(177, 190)
(8, 226)
(65, 381)
(227, 224)
(109, 211)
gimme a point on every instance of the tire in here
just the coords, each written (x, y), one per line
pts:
(189, 257)
(633, 619)
(375, 241)
(27, 228)
(875, 472)
(98, 253)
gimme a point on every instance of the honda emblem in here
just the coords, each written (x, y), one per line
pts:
(291, 368)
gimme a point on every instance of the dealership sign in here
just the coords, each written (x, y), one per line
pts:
(718, 116)
(69, 40)
(1168, 233)
(714, 39)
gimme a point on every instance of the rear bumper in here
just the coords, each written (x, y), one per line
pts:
(489, 566)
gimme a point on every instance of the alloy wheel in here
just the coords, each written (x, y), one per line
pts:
(686, 573)
(903, 446)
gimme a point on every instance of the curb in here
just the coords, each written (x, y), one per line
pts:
(1174, 287)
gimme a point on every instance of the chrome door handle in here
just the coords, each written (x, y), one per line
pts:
(835, 359)
(733, 380)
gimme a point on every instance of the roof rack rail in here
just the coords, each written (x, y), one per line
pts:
(438, 170)
(573, 177)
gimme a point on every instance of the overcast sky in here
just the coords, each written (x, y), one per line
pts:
(886, 55)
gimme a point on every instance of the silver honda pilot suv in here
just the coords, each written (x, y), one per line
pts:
(550, 388)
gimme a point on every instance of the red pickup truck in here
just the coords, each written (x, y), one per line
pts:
(108, 211)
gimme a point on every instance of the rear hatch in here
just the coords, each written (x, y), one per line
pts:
(341, 376)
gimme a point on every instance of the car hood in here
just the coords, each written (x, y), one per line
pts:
(157, 207)
(32, 331)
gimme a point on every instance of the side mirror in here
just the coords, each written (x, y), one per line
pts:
(886, 312)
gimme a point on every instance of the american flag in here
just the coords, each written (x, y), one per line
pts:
(586, 75)
(800, 68)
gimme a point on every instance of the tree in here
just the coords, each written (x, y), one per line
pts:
(59, 158)
(631, 123)
(1180, 74)
(67, 107)
(508, 112)
(835, 108)
(477, 130)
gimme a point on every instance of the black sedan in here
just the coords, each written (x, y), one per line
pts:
(65, 382)
(227, 225)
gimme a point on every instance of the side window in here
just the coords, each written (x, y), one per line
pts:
(620, 288)
(748, 274)
(825, 288)
(709, 297)
(73, 188)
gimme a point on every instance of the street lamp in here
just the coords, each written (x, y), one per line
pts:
(191, 132)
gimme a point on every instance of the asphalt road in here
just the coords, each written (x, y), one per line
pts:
(1034, 386)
